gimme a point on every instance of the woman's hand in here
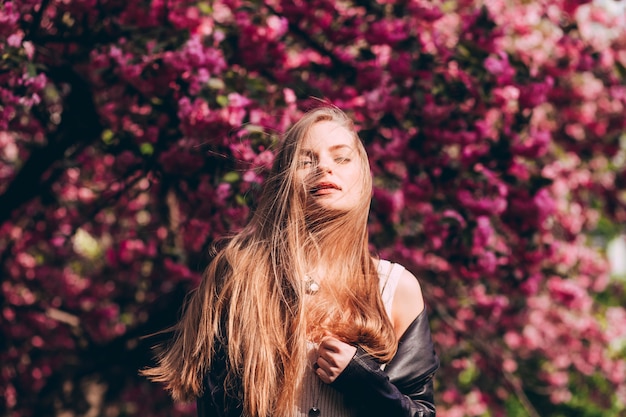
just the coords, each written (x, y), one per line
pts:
(333, 356)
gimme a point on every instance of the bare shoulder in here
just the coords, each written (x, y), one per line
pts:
(408, 302)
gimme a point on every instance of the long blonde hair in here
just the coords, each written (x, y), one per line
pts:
(251, 300)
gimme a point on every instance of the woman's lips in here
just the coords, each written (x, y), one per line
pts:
(324, 188)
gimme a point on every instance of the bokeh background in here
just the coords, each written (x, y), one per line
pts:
(133, 134)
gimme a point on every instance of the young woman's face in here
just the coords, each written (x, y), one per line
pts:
(329, 166)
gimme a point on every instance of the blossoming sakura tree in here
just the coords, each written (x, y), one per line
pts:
(135, 133)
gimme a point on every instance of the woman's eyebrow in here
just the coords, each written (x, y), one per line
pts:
(340, 146)
(332, 148)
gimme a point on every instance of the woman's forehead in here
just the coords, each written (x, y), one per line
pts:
(330, 135)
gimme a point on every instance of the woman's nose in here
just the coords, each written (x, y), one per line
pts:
(324, 166)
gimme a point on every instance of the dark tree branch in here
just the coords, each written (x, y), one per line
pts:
(112, 360)
(80, 124)
(34, 25)
(337, 63)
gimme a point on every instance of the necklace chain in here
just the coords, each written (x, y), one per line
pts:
(311, 287)
(314, 411)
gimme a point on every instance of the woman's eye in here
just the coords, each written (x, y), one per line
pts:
(305, 163)
(342, 160)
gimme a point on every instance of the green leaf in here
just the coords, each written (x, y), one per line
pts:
(216, 84)
(31, 69)
(231, 177)
(205, 8)
(107, 136)
(222, 100)
(146, 148)
(468, 375)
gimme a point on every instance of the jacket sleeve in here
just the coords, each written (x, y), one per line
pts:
(405, 387)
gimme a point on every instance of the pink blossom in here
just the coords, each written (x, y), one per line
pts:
(487, 262)
(389, 202)
(519, 169)
(223, 192)
(617, 373)
(426, 10)
(386, 32)
(251, 176)
(128, 249)
(531, 285)
(616, 324)
(568, 293)
(481, 205)
(15, 40)
(9, 16)
(500, 67)
(533, 146)
(277, 26)
(236, 109)
(483, 234)
(558, 379)
(507, 97)
(513, 339)
(535, 94)
(197, 233)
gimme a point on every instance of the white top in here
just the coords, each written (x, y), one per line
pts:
(324, 397)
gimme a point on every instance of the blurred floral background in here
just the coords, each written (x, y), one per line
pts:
(133, 134)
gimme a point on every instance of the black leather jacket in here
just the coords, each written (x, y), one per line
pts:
(403, 389)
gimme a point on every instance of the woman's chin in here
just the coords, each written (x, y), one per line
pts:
(327, 206)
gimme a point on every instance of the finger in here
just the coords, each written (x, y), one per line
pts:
(322, 375)
(326, 364)
(330, 359)
(326, 344)
(331, 344)
(325, 375)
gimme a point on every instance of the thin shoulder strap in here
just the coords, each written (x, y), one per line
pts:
(389, 274)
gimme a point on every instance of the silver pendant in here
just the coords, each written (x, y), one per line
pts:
(314, 412)
(311, 287)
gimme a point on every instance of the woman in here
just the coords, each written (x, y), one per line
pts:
(294, 317)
